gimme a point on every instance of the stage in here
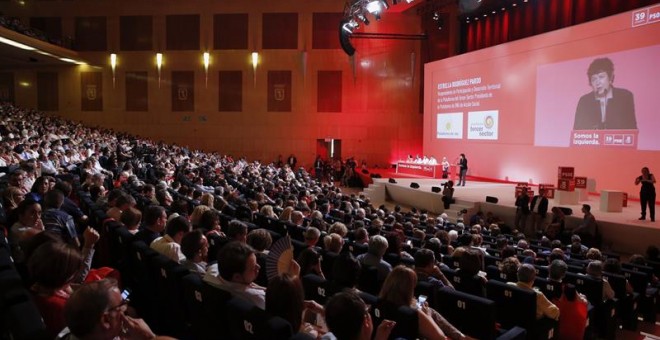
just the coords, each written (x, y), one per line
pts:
(622, 232)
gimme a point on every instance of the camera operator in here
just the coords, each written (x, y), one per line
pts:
(448, 193)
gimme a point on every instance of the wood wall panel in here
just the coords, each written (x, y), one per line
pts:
(47, 91)
(329, 91)
(230, 91)
(137, 91)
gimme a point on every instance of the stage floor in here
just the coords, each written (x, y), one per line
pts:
(622, 231)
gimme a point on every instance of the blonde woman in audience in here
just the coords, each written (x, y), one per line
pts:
(286, 214)
(267, 210)
(197, 214)
(207, 200)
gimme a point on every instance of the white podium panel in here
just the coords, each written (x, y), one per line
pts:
(583, 193)
(611, 200)
(567, 197)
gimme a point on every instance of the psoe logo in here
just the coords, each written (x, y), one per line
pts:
(489, 122)
(448, 126)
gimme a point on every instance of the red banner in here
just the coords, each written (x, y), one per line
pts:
(615, 138)
(549, 190)
(433, 171)
(580, 182)
(566, 172)
(279, 91)
(566, 185)
(91, 91)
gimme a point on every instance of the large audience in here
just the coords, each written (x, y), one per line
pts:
(218, 217)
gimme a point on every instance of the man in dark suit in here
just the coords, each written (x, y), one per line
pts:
(539, 208)
(606, 107)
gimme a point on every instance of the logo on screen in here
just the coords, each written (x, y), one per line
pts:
(448, 126)
(489, 122)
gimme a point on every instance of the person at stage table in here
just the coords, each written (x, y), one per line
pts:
(463, 166)
(433, 161)
(605, 107)
(539, 209)
(445, 167)
(448, 194)
(409, 159)
(425, 160)
(647, 193)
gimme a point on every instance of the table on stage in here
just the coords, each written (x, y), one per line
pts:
(417, 169)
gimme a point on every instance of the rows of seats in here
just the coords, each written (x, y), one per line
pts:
(19, 317)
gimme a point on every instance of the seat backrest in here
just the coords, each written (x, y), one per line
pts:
(247, 321)
(493, 273)
(515, 306)
(592, 288)
(462, 309)
(551, 289)
(316, 288)
(406, 318)
(368, 280)
(618, 284)
(639, 280)
(327, 263)
(469, 284)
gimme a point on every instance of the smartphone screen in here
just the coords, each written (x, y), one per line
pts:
(125, 294)
(420, 300)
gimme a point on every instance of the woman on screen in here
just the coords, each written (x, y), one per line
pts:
(606, 107)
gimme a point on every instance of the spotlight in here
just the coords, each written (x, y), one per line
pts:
(363, 18)
(440, 23)
(373, 7)
(350, 26)
(409, 1)
(384, 4)
(436, 16)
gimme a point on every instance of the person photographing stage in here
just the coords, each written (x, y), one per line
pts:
(646, 193)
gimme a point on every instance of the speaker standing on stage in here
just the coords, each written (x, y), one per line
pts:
(539, 208)
(647, 193)
(463, 165)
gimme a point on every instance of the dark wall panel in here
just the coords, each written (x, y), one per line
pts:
(137, 91)
(329, 91)
(7, 87)
(47, 91)
(182, 32)
(279, 91)
(136, 33)
(230, 31)
(183, 91)
(280, 31)
(91, 34)
(52, 26)
(325, 30)
(230, 91)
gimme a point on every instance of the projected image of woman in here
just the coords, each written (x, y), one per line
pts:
(606, 106)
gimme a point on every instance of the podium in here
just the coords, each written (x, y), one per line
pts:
(611, 200)
(567, 197)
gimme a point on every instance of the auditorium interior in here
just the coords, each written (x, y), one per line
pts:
(294, 131)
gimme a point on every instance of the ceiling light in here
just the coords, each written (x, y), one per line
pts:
(16, 44)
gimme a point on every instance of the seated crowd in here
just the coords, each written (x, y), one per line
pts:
(184, 203)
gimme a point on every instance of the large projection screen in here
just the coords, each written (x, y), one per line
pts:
(520, 110)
